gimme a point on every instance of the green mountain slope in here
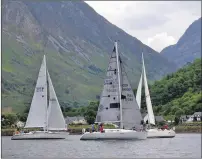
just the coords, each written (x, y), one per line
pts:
(178, 93)
(77, 42)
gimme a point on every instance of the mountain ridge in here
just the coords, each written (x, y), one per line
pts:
(77, 42)
(188, 47)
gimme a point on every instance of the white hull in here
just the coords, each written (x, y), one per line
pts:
(37, 135)
(115, 134)
(158, 133)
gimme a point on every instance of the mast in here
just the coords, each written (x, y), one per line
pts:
(143, 67)
(46, 126)
(151, 118)
(119, 84)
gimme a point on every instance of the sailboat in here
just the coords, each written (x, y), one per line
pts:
(152, 132)
(117, 105)
(45, 111)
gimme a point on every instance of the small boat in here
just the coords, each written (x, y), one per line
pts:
(45, 111)
(117, 106)
(152, 132)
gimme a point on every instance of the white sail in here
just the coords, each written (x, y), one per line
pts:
(37, 116)
(131, 111)
(151, 118)
(146, 118)
(139, 92)
(56, 119)
(109, 107)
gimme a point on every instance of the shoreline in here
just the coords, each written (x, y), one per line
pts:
(78, 131)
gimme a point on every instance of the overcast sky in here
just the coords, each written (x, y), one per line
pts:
(157, 23)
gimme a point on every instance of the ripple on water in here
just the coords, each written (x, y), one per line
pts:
(183, 145)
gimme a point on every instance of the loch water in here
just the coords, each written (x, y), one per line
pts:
(183, 145)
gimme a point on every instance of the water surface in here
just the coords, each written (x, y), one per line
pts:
(183, 145)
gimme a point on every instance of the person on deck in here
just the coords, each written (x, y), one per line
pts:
(101, 128)
(165, 126)
(93, 127)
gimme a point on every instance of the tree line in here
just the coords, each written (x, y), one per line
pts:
(176, 94)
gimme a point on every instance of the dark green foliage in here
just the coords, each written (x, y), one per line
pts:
(178, 93)
(176, 120)
(8, 120)
(90, 116)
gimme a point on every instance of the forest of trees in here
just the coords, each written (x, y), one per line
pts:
(175, 95)
(178, 93)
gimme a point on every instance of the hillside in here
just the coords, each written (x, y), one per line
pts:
(178, 93)
(77, 42)
(188, 48)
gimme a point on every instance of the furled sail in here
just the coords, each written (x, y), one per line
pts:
(37, 116)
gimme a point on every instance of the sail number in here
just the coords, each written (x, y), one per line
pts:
(39, 89)
(126, 89)
(111, 90)
(124, 85)
(129, 99)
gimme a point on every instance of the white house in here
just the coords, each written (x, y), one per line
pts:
(20, 124)
(75, 120)
(197, 115)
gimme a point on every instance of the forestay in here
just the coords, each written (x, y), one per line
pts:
(38, 109)
(56, 120)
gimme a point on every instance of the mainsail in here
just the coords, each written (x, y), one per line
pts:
(38, 109)
(56, 120)
(109, 109)
(40, 114)
(150, 116)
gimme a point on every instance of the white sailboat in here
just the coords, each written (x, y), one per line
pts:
(118, 105)
(45, 111)
(152, 132)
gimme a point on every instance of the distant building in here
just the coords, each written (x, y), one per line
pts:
(184, 118)
(75, 120)
(195, 117)
(159, 119)
(20, 124)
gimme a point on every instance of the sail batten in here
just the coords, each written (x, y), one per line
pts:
(38, 108)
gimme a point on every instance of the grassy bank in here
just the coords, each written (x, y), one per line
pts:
(77, 129)
(194, 127)
(72, 129)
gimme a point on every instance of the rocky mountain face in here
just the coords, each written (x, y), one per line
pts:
(77, 42)
(188, 48)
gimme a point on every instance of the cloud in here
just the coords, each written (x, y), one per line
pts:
(160, 41)
(145, 20)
